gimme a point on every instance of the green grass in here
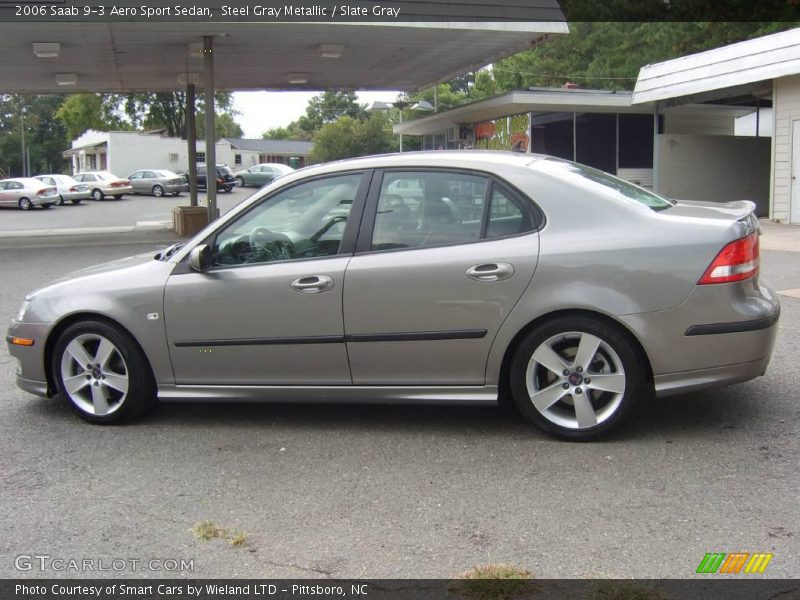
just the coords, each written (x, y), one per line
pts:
(208, 530)
(494, 582)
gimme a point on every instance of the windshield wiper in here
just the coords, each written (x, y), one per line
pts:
(167, 252)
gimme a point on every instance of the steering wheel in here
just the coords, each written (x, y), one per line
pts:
(325, 228)
(262, 236)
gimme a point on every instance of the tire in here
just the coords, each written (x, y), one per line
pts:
(176, 193)
(570, 402)
(158, 191)
(227, 189)
(240, 181)
(118, 384)
(98, 194)
(76, 201)
(117, 196)
(60, 201)
(48, 205)
(25, 204)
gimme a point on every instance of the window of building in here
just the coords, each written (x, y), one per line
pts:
(200, 157)
(237, 159)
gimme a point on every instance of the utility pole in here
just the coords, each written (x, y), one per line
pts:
(211, 140)
(22, 136)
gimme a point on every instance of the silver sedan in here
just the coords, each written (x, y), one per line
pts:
(157, 182)
(572, 293)
(26, 192)
(69, 190)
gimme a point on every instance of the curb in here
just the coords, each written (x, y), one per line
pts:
(141, 226)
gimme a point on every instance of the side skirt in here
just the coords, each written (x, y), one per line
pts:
(472, 395)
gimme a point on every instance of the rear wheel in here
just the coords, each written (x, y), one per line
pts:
(25, 204)
(227, 188)
(158, 191)
(102, 373)
(59, 201)
(98, 194)
(48, 205)
(577, 378)
(117, 196)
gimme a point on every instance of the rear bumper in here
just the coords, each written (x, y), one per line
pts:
(70, 196)
(41, 200)
(176, 187)
(117, 191)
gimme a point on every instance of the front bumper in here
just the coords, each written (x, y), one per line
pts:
(31, 375)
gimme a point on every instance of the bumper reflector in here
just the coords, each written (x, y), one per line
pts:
(18, 341)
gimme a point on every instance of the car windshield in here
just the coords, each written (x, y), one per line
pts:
(610, 184)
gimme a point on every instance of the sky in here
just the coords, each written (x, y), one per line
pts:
(260, 111)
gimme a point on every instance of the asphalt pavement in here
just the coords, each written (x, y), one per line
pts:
(389, 491)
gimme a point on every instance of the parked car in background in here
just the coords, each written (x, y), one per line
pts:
(158, 182)
(226, 180)
(261, 175)
(104, 183)
(574, 292)
(69, 190)
(27, 192)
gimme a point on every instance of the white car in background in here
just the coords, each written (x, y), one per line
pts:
(69, 190)
(104, 183)
(26, 192)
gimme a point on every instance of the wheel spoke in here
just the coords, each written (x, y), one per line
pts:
(104, 351)
(587, 348)
(99, 400)
(584, 413)
(75, 383)
(613, 382)
(548, 358)
(545, 398)
(117, 382)
(78, 352)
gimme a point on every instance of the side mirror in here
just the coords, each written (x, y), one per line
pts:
(200, 258)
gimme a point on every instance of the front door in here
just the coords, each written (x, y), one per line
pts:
(269, 311)
(435, 277)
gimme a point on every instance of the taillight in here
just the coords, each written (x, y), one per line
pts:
(73, 189)
(735, 262)
(46, 192)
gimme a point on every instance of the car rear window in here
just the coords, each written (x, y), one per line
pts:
(612, 185)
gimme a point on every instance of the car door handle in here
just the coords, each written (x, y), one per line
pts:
(313, 284)
(490, 272)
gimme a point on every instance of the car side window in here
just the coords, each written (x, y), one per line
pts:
(506, 216)
(137, 175)
(304, 221)
(47, 180)
(15, 185)
(419, 209)
(89, 178)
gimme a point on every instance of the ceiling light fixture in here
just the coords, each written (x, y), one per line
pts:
(330, 50)
(184, 78)
(297, 78)
(47, 49)
(66, 78)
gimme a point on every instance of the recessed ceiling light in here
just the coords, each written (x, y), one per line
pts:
(66, 78)
(47, 49)
(330, 50)
(297, 78)
(184, 78)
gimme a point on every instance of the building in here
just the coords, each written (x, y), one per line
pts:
(604, 129)
(123, 152)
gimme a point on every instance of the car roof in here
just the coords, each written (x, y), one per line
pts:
(24, 180)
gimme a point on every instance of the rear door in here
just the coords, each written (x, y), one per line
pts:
(5, 197)
(435, 274)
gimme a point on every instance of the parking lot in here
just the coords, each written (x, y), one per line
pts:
(382, 491)
(132, 211)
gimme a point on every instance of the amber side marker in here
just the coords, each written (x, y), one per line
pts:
(18, 341)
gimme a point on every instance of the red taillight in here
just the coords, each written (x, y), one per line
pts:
(73, 189)
(735, 262)
(117, 184)
(46, 192)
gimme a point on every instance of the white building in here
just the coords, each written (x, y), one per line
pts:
(123, 152)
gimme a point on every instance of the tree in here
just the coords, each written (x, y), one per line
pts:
(45, 135)
(291, 132)
(80, 112)
(167, 110)
(224, 127)
(348, 137)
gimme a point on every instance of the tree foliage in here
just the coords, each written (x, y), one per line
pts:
(167, 110)
(45, 135)
(348, 137)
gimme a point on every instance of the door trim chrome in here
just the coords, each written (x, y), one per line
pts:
(404, 336)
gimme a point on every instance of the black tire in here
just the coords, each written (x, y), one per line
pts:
(176, 193)
(240, 181)
(129, 359)
(616, 360)
(97, 194)
(48, 205)
(60, 201)
(117, 196)
(158, 191)
(227, 189)
(25, 204)
(76, 201)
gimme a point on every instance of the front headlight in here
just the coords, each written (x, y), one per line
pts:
(23, 309)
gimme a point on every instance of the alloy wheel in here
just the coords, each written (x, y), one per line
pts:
(94, 374)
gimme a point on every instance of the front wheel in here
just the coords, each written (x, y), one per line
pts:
(102, 373)
(98, 194)
(117, 196)
(158, 191)
(59, 201)
(227, 188)
(577, 378)
(76, 201)
(240, 181)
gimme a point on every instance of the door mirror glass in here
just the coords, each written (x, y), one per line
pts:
(200, 258)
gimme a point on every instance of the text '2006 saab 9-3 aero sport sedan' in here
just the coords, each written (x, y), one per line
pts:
(575, 293)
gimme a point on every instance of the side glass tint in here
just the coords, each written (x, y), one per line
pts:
(506, 217)
(305, 221)
(418, 209)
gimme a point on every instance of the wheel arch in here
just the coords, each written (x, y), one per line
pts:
(63, 324)
(511, 349)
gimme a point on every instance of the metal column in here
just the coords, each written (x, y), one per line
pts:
(211, 150)
(191, 138)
